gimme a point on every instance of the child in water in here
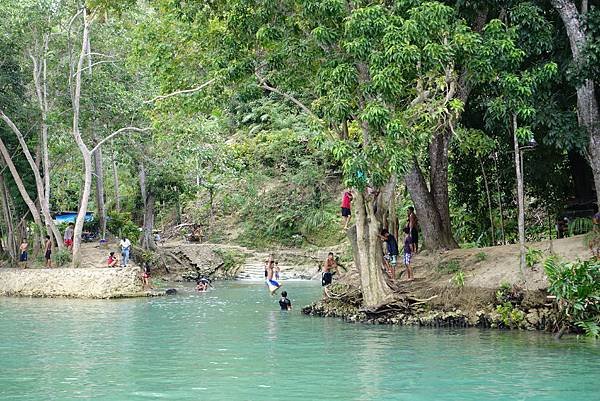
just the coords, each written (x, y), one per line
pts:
(284, 302)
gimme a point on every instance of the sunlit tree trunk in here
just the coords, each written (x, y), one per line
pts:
(21, 187)
(520, 195)
(368, 253)
(11, 240)
(115, 180)
(44, 207)
(99, 173)
(85, 152)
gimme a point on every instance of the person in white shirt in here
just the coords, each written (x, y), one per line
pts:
(125, 249)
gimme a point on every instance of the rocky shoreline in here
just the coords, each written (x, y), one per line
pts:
(499, 315)
(100, 283)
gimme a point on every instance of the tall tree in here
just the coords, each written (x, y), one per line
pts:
(587, 100)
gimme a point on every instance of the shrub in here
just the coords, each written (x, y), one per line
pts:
(509, 315)
(576, 286)
(509, 293)
(121, 225)
(459, 279)
(580, 225)
(449, 266)
(480, 256)
(61, 257)
(533, 257)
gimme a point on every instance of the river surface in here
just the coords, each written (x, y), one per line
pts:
(234, 343)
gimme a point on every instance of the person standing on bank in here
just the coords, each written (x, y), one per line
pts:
(125, 250)
(23, 256)
(48, 251)
(68, 237)
(413, 226)
(391, 258)
(346, 207)
(408, 247)
(328, 267)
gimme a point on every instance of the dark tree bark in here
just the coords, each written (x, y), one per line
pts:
(147, 241)
(436, 234)
(587, 105)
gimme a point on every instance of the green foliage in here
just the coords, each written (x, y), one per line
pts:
(480, 256)
(509, 293)
(120, 225)
(510, 316)
(533, 257)
(231, 259)
(576, 286)
(580, 225)
(449, 267)
(459, 279)
(61, 257)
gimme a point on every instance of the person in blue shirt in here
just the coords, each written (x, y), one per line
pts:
(391, 258)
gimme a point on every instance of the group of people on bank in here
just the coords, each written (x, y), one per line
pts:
(410, 241)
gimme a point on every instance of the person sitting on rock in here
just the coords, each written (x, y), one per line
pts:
(146, 274)
(112, 260)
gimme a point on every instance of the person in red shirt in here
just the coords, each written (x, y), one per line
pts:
(112, 260)
(346, 206)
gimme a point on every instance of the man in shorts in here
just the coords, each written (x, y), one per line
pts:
(346, 207)
(68, 237)
(48, 251)
(23, 255)
(328, 267)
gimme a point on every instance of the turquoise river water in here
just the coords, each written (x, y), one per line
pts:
(234, 344)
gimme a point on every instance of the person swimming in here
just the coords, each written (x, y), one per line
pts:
(284, 302)
(202, 284)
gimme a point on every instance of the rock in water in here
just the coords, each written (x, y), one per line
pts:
(170, 291)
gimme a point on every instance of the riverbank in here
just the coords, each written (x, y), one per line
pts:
(480, 287)
(72, 283)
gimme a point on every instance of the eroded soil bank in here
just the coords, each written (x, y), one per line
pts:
(492, 292)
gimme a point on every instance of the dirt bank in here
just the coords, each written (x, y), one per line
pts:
(493, 292)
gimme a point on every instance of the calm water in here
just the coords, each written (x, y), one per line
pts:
(234, 344)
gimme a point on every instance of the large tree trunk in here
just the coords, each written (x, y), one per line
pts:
(99, 173)
(11, 242)
(21, 187)
(149, 200)
(385, 205)
(520, 196)
(148, 227)
(85, 152)
(438, 176)
(587, 104)
(115, 180)
(368, 253)
(436, 234)
(39, 184)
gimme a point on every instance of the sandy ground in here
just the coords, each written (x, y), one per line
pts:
(492, 266)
